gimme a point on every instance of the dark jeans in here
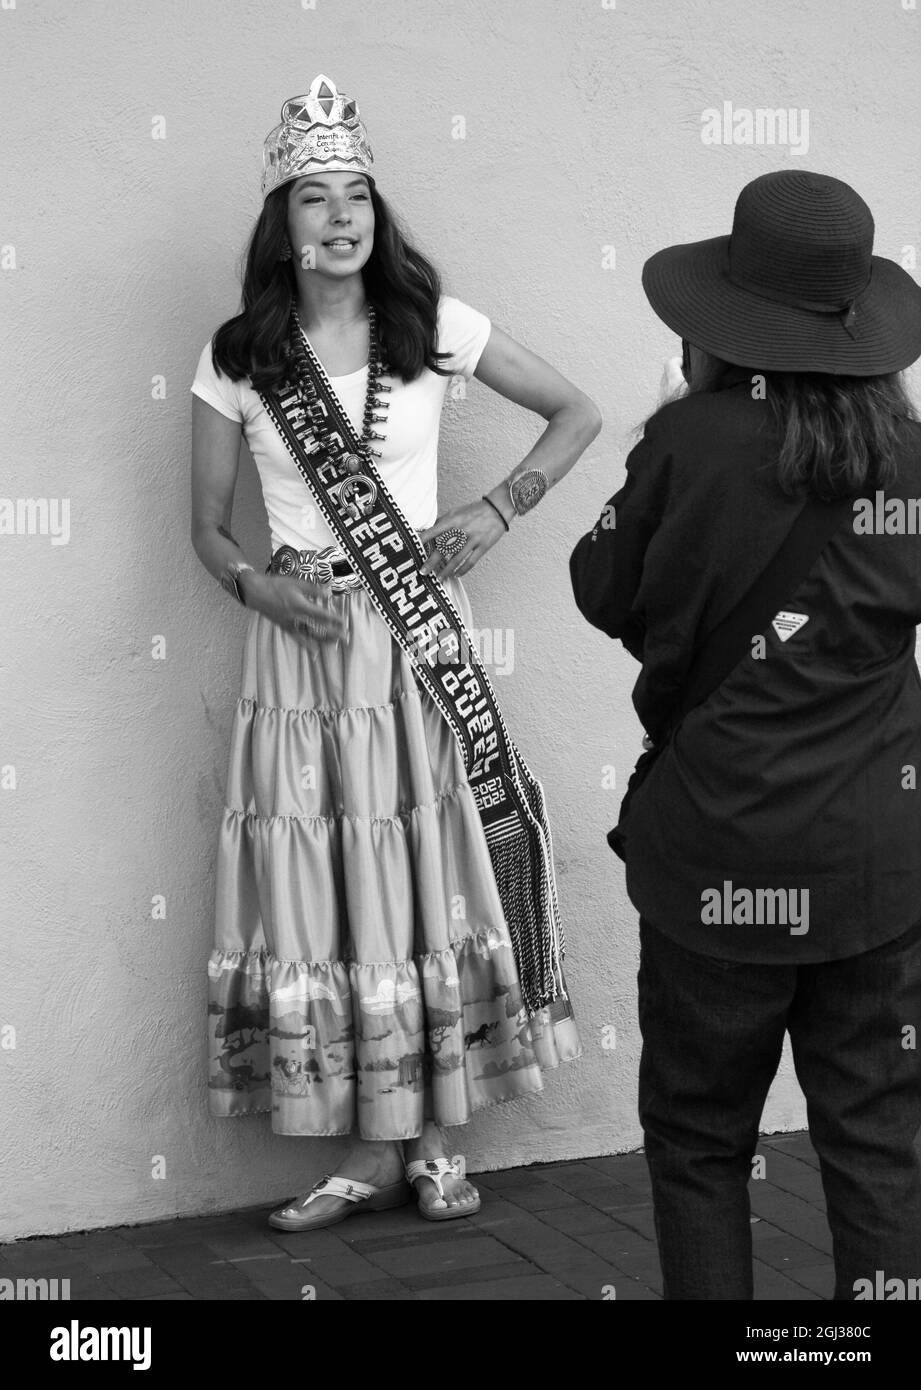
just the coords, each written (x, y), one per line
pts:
(712, 1037)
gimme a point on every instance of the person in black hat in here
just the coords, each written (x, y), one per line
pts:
(774, 846)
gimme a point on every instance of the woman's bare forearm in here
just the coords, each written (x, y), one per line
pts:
(216, 548)
(568, 433)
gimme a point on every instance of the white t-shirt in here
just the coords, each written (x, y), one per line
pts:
(409, 455)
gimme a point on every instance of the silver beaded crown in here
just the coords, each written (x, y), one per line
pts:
(319, 133)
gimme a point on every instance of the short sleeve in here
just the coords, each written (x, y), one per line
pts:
(463, 332)
(218, 390)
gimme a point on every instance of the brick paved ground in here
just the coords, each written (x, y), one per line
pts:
(550, 1231)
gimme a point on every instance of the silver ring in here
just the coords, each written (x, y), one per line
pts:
(451, 542)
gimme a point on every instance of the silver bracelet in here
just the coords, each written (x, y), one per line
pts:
(527, 489)
(230, 578)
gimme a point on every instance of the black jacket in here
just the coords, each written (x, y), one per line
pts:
(796, 773)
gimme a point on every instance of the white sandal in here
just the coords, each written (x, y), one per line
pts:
(395, 1194)
(436, 1169)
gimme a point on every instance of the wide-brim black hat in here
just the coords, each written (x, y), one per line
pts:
(796, 286)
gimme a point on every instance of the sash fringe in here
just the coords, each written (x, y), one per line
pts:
(512, 862)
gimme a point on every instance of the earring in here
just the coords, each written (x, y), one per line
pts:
(285, 253)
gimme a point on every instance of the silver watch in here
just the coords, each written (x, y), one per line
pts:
(230, 579)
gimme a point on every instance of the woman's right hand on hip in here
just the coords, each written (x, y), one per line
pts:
(286, 601)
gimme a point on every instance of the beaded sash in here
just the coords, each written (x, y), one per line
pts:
(386, 553)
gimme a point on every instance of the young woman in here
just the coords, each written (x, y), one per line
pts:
(773, 850)
(378, 830)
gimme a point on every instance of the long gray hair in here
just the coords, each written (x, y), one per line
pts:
(837, 434)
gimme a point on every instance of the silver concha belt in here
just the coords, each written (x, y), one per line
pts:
(328, 566)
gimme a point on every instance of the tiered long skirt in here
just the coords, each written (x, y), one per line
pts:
(362, 975)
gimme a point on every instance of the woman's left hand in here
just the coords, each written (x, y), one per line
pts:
(483, 529)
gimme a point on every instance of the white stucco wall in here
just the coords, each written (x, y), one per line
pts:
(582, 133)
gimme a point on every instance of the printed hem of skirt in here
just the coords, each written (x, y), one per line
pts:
(263, 954)
(323, 709)
(380, 1138)
(455, 789)
(548, 1058)
(451, 1019)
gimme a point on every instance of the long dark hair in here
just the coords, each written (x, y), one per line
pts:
(400, 282)
(838, 434)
